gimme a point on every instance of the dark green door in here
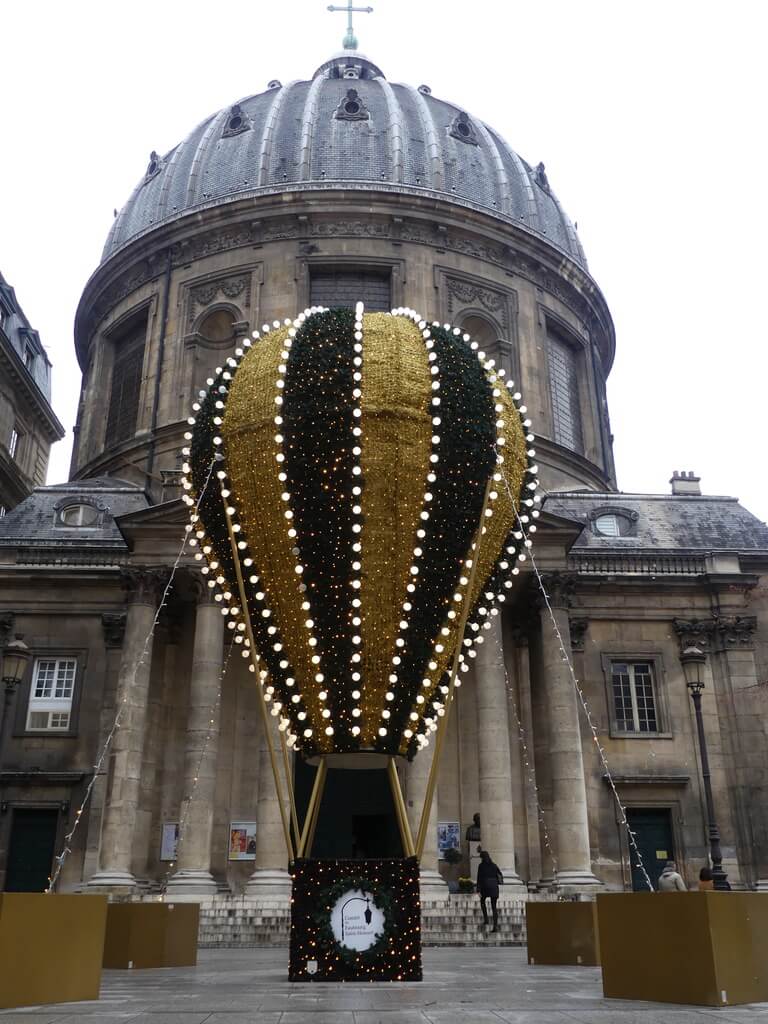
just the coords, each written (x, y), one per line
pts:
(652, 827)
(31, 849)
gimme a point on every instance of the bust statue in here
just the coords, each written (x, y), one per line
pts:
(473, 830)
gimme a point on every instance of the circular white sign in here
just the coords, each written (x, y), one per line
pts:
(356, 921)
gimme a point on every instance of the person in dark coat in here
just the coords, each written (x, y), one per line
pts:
(488, 878)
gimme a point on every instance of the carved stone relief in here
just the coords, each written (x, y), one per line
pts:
(202, 295)
(397, 229)
(721, 632)
(463, 293)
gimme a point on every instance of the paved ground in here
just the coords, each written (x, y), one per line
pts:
(462, 986)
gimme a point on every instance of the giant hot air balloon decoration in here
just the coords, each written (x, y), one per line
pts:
(361, 489)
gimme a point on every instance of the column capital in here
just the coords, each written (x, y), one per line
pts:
(695, 633)
(578, 626)
(560, 588)
(144, 584)
(113, 624)
(735, 630)
(203, 594)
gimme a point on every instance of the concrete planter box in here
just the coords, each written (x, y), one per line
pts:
(50, 948)
(562, 933)
(143, 935)
(703, 948)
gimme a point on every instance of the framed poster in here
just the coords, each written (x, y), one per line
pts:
(447, 837)
(169, 840)
(242, 840)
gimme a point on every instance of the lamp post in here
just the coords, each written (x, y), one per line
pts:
(693, 659)
(15, 658)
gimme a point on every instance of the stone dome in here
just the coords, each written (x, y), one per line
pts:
(347, 127)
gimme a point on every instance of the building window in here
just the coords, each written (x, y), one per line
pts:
(50, 697)
(13, 443)
(3, 511)
(614, 522)
(346, 286)
(79, 515)
(608, 525)
(634, 697)
(564, 392)
(29, 357)
(126, 384)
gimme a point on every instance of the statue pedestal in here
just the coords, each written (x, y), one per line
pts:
(562, 933)
(50, 948)
(702, 948)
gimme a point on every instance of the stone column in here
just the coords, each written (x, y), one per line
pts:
(525, 712)
(497, 827)
(270, 882)
(433, 886)
(193, 874)
(116, 852)
(113, 625)
(570, 825)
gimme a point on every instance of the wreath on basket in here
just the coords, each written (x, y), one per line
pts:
(380, 898)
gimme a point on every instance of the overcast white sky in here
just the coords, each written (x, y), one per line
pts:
(650, 118)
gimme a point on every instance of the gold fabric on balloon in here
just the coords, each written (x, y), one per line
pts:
(396, 445)
(249, 433)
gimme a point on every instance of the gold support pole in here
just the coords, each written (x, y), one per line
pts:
(442, 728)
(289, 784)
(259, 690)
(313, 810)
(402, 815)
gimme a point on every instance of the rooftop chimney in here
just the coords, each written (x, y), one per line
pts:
(685, 482)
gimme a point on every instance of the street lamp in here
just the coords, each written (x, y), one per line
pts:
(692, 660)
(15, 658)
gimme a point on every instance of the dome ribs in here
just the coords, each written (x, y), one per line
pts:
(395, 129)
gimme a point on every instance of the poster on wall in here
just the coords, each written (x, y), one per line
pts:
(242, 840)
(447, 837)
(169, 840)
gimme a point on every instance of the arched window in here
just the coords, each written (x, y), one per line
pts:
(125, 390)
(218, 326)
(484, 333)
(564, 393)
(214, 340)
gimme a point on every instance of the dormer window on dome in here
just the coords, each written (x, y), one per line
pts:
(237, 121)
(154, 166)
(614, 522)
(463, 129)
(352, 108)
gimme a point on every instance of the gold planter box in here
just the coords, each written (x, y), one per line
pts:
(702, 948)
(151, 935)
(562, 933)
(50, 948)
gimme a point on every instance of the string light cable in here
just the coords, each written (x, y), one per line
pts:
(586, 709)
(60, 860)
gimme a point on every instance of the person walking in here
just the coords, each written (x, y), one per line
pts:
(670, 879)
(488, 879)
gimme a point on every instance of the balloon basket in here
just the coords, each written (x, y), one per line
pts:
(355, 920)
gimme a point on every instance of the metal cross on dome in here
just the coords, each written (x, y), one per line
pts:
(350, 39)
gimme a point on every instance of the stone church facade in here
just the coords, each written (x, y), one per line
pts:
(340, 188)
